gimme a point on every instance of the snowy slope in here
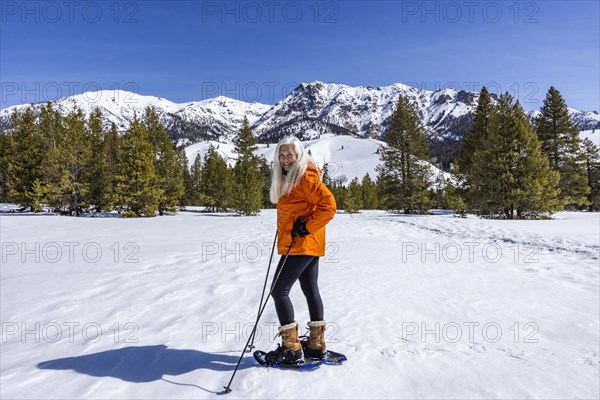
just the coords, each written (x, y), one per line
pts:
(347, 157)
(423, 306)
(593, 135)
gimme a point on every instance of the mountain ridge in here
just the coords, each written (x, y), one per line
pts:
(308, 111)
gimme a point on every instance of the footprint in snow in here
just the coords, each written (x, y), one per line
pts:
(477, 347)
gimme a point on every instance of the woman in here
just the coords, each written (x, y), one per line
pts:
(304, 207)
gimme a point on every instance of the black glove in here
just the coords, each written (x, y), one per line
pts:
(299, 228)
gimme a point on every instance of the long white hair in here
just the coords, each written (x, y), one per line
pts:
(281, 184)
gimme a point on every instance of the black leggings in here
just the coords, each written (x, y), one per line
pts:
(306, 270)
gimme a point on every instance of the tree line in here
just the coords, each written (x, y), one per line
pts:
(507, 168)
(73, 165)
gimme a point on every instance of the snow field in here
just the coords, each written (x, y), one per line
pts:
(423, 306)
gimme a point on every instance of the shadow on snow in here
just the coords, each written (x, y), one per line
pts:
(147, 363)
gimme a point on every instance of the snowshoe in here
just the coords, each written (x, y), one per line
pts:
(268, 360)
(329, 358)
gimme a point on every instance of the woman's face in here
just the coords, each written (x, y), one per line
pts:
(287, 156)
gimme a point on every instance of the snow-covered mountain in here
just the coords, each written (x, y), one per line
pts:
(364, 111)
(212, 119)
(309, 111)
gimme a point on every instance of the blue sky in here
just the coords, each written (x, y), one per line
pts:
(260, 50)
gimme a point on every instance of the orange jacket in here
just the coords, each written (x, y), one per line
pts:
(310, 199)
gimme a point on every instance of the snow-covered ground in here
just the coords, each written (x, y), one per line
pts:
(593, 135)
(347, 157)
(423, 306)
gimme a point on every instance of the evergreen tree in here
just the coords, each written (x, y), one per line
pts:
(265, 172)
(51, 125)
(5, 158)
(339, 193)
(403, 178)
(74, 157)
(369, 192)
(448, 196)
(137, 189)
(354, 197)
(592, 169)
(97, 173)
(39, 193)
(560, 141)
(326, 178)
(195, 183)
(186, 198)
(248, 186)
(455, 200)
(110, 150)
(438, 191)
(336, 186)
(217, 182)
(28, 150)
(510, 175)
(473, 137)
(166, 163)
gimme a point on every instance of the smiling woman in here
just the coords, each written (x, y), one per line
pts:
(287, 157)
(304, 207)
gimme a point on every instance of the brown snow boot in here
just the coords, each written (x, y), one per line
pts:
(290, 350)
(315, 345)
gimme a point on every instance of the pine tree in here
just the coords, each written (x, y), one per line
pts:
(265, 172)
(195, 185)
(29, 150)
(39, 193)
(137, 191)
(326, 178)
(448, 196)
(52, 127)
(339, 193)
(455, 200)
(217, 182)
(97, 169)
(167, 165)
(186, 198)
(560, 141)
(354, 197)
(74, 154)
(248, 183)
(335, 186)
(5, 157)
(592, 169)
(438, 191)
(369, 192)
(403, 178)
(110, 150)
(473, 137)
(510, 175)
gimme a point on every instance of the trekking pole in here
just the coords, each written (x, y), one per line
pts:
(227, 388)
(262, 296)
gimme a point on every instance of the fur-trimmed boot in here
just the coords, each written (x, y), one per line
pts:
(290, 350)
(315, 345)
